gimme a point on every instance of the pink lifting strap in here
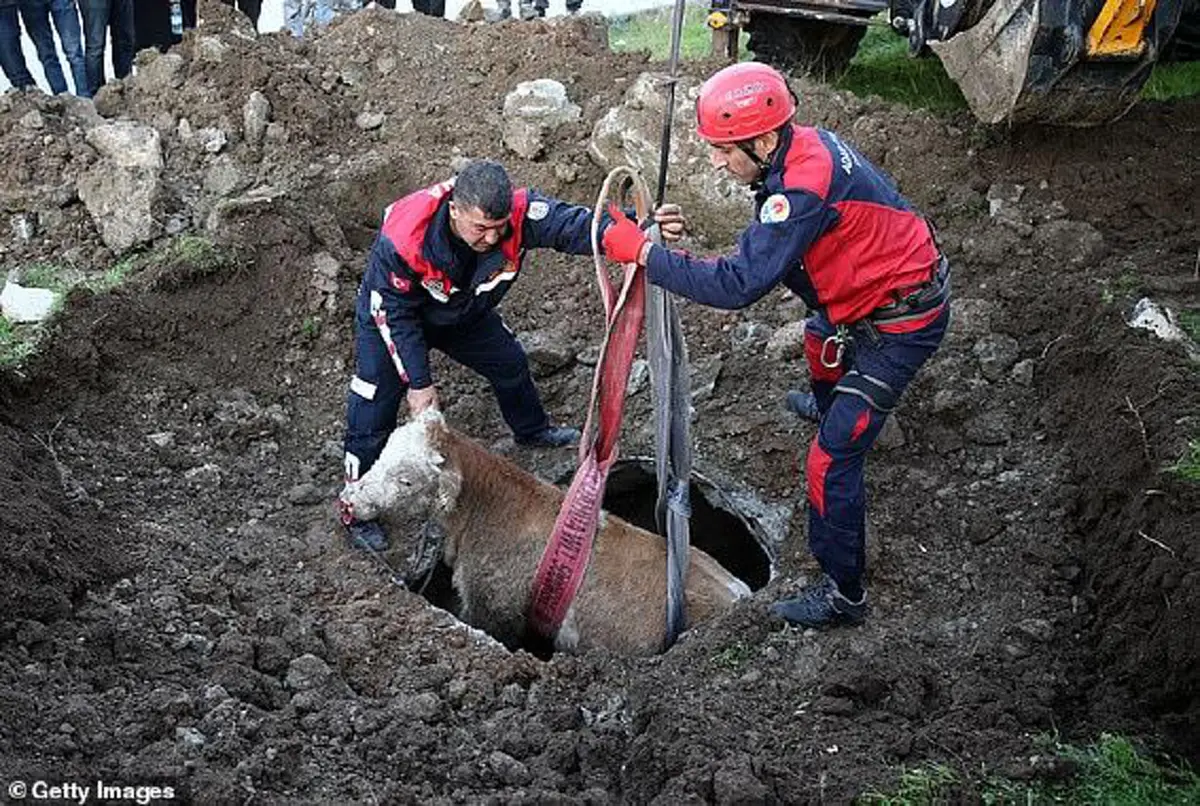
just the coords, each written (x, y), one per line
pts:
(565, 559)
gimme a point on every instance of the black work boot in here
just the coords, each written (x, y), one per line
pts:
(367, 535)
(804, 404)
(821, 605)
(552, 436)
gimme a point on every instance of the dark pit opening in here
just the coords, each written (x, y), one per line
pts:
(717, 528)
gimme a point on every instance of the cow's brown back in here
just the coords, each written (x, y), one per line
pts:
(498, 530)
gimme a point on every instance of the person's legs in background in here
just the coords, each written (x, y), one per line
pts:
(124, 37)
(36, 16)
(12, 58)
(95, 40)
(152, 26)
(252, 9)
(70, 35)
(432, 8)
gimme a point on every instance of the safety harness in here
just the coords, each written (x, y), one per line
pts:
(913, 305)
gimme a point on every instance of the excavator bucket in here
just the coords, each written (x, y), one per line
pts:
(1058, 61)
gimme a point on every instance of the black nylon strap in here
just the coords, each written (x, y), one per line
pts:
(879, 395)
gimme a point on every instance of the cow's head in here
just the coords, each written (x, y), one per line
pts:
(410, 483)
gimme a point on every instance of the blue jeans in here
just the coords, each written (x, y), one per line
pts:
(37, 15)
(485, 346)
(299, 15)
(98, 15)
(12, 60)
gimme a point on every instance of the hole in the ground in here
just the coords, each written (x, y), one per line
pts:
(728, 525)
(718, 527)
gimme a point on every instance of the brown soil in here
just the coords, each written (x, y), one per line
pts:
(180, 606)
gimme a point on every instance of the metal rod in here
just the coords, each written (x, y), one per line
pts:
(669, 105)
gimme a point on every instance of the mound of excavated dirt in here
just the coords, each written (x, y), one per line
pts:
(182, 609)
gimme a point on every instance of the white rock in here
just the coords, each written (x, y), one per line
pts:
(20, 304)
(787, 342)
(1160, 320)
(256, 115)
(127, 144)
(532, 110)
(369, 120)
(212, 139)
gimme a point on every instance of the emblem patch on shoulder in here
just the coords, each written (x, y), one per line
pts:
(775, 209)
(436, 290)
(538, 210)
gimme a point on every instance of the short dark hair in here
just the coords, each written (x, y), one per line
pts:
(485, 185)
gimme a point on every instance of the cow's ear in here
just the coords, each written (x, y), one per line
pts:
(449, 486)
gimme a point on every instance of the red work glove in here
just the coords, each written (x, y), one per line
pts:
(623, 240)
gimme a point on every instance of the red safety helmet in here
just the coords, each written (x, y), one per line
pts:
(742, 101)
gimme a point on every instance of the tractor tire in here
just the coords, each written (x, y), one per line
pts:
(821, 49)
(1185, 44)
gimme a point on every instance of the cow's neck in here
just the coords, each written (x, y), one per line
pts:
(494, 493)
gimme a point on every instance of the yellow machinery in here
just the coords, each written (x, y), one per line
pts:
(1072, 62)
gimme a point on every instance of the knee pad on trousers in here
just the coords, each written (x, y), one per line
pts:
(878, 394)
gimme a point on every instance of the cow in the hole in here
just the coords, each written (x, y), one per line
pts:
(493, 520)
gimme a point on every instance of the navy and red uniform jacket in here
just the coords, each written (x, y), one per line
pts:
(422, 281)
(830, 226)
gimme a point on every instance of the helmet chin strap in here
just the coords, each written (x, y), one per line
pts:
(747, 148)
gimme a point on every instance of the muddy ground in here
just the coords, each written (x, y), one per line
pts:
(181, 609)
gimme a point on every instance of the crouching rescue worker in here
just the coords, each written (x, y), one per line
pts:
(833, 229)
(444, 258)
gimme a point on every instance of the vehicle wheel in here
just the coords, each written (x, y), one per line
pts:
(1185, 45)
(823, 49)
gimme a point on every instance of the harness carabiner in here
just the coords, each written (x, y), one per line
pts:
(838, 340)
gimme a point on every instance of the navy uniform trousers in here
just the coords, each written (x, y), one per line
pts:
(854, 399)
(484, 345)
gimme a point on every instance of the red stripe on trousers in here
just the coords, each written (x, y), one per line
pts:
(861, 424)
(815, 469)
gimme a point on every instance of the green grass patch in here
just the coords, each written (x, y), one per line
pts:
(1173, 80)
(1189, 320)
(187, 256)
(732, 657)
(651, 30)
(1188, 466)
(17, 343)
(47, 275)
(113, 277)
(918, 785)
(883, 67)
(1111, 772)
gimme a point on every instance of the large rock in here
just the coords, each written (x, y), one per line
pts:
(121, 189)
(256, 115)
(127, 144)
(717, 207)
(533, 110)
(159, 74)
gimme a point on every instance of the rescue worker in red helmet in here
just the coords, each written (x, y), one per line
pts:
(832, 228)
